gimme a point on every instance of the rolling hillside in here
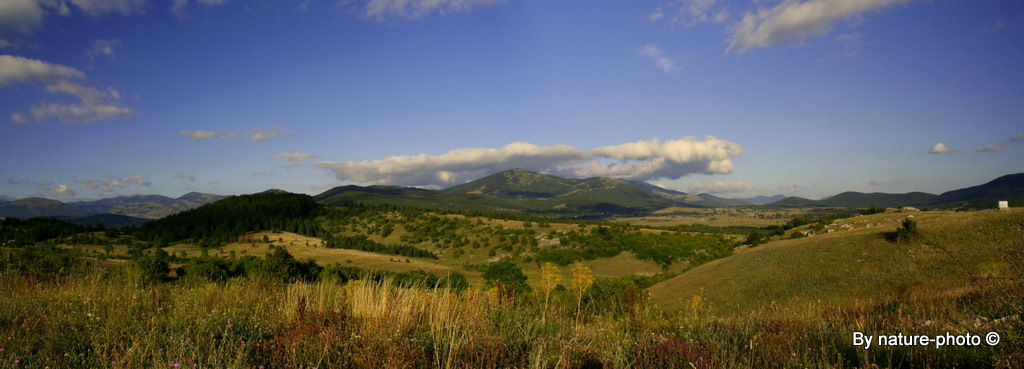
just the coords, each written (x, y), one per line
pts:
(856, 263)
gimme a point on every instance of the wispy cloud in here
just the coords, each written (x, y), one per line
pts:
(262, 134)
(791, 189)
(16, 69)
(112, 183)
(94, 104)
(641, 160)
(256, 135)
(1000, 146)
(187, 177)
(99, 8)
(295, 156)
(180, 7)
(688, 13)
(794, 20)
(198, 135)
(103, 47)
(412, 9)
(662, 61)
(721, 187)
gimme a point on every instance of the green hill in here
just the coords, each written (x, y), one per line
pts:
(856, 263)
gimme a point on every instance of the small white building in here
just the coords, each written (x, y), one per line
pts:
(1004, 205)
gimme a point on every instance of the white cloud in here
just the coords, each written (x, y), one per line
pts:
(188, 177)
(179, 6)
(112, 183)
(412, 9)
(261, 134)
(73, 113)
(641, 160)
(16, 69)
(61, 190)
(98, 8)
(136, 180)
(104, 47)
(20, 16)
(941, 148)
(794, 20)
(256, 135)
(94, 104)
(198, 135)
(691, 12)
(721, 187)
(663, 62)
(672, 159)
(295, 156)
(262, 173)
(999, 147)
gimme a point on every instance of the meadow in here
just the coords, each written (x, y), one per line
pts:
(796, 301)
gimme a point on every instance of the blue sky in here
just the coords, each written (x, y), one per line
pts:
(100, 98)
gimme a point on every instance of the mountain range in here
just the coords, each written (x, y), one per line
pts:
(114, 210)
(518, 191)
(1009, 187)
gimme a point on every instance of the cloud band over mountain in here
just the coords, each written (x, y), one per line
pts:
(641, 160)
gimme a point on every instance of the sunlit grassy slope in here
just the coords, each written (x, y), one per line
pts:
(955, 252)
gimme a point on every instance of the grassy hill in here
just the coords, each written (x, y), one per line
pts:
(857, 263)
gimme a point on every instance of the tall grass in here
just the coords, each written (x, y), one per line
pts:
(107, 318)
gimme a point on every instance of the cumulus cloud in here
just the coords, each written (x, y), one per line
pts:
(412, 9)
(662, 61)
(999, 147)
(794, 20)
(61, 190)
(187, 177)
(721, 187)
(641, 160)
(295, 156)
(941, 148)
